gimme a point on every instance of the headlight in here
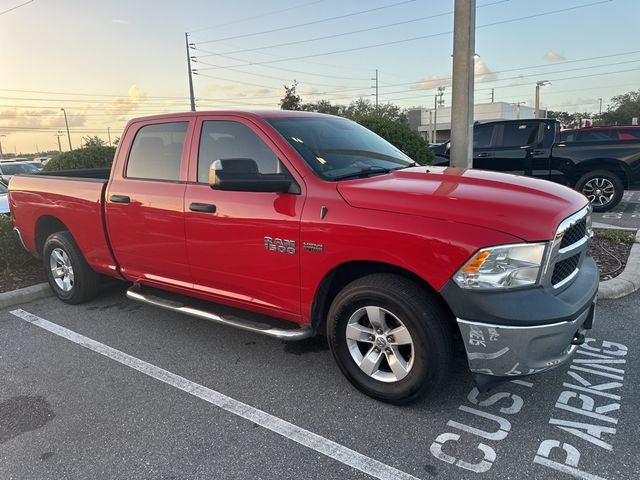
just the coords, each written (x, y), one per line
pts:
(504, 266)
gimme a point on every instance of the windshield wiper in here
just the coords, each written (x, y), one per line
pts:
(370, 171)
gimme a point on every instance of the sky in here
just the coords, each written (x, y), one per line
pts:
(109, 61)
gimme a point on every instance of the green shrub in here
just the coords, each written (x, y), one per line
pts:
(11, 252)
(400, 135)
(88, 157)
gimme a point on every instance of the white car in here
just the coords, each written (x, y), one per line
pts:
(4, 200)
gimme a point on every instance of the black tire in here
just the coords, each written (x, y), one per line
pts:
(414, 308)
(83, 281)
(588, 185)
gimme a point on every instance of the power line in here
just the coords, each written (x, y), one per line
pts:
(17, 6)
(421, 37)
(262, 15)
(353, 32)
(313, 22)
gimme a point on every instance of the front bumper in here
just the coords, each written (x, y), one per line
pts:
(506, 340)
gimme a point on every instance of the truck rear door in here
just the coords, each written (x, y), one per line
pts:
(518, 149)
(243, 247)
(144, 203)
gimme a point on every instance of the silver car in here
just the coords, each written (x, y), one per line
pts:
(9, 169)
(4, 200)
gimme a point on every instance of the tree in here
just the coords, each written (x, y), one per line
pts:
(291, 100)
(570, 120)
(94, 141)
(400, 135)
(625, 107)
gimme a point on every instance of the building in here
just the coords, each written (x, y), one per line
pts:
(423, 120)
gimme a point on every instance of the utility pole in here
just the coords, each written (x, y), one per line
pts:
(57, 135)
(1, 154)
(600, 112)
(376, 87)
(109, 134)
(464, 47)
(66, 122)
(492, 95)
(437, 102)
(191, 95)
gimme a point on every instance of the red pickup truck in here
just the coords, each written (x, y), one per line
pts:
(290, 224)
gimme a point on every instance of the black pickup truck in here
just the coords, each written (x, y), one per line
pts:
(600, 169)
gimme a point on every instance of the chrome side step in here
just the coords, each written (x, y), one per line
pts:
(136, 293)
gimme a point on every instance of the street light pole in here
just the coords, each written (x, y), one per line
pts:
(376, 87)
(464, 47)
(541, 83)
(109, 134)
(66, 122)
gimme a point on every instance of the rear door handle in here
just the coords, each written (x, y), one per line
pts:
(537, 153)
(483, 155)
(202, 207)
(119, 199)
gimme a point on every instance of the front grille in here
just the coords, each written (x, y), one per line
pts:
(574, 234)
(564, 268)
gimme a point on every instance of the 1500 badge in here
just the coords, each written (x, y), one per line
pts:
(280, 245)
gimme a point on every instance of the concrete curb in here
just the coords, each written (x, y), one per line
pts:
(628, 281)
(24, 295)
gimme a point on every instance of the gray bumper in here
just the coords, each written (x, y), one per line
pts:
(515, 351)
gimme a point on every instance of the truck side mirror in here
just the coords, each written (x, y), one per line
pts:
(242, 175)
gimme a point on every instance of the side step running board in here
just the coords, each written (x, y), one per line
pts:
(136, 293)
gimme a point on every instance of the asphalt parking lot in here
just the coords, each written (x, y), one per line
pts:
(626, 213)
(114, 389)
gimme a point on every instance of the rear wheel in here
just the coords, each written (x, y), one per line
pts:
(604, 189)
(390, 338)
(69, 275)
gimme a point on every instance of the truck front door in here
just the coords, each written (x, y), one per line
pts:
(243, 247)
(519, 150)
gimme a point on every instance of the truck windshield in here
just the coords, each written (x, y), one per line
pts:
(339, 149)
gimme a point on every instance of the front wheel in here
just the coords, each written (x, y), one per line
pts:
(69, 275)
(603, 189)
(390, 338)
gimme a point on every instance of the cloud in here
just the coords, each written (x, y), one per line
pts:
(431, 82)
(120, 21)
(554, 56)
(119, 107)
(31, 120)
(484, 73)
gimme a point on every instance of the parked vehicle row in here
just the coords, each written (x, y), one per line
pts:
(315, 220)
(10, 168)
(599, 162)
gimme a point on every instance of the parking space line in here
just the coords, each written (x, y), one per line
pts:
(288, 430)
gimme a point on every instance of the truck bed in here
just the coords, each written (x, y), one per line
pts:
(75, 198)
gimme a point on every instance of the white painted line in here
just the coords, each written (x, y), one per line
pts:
(288, 430)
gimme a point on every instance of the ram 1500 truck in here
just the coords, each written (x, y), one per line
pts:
(599, 168)
(290, 224)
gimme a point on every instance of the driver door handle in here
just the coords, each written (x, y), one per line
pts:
(483, 155)
(119, 199)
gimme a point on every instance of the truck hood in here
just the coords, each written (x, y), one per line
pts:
(527, 208)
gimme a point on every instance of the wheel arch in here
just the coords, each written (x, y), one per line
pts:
(341, 275)
(45, 226)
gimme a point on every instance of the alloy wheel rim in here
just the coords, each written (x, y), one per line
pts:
(61, 269)
(600, 191)
(380, 344)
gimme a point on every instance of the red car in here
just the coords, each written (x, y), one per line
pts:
(598, 134)
(290, 224)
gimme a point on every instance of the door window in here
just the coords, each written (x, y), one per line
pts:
(225, 140)
(157, 151)
(482, 136)
(519, 134)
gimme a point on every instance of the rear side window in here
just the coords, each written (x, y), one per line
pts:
(223, 140)
(482, 136)
(519, 134)
(157, 151)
